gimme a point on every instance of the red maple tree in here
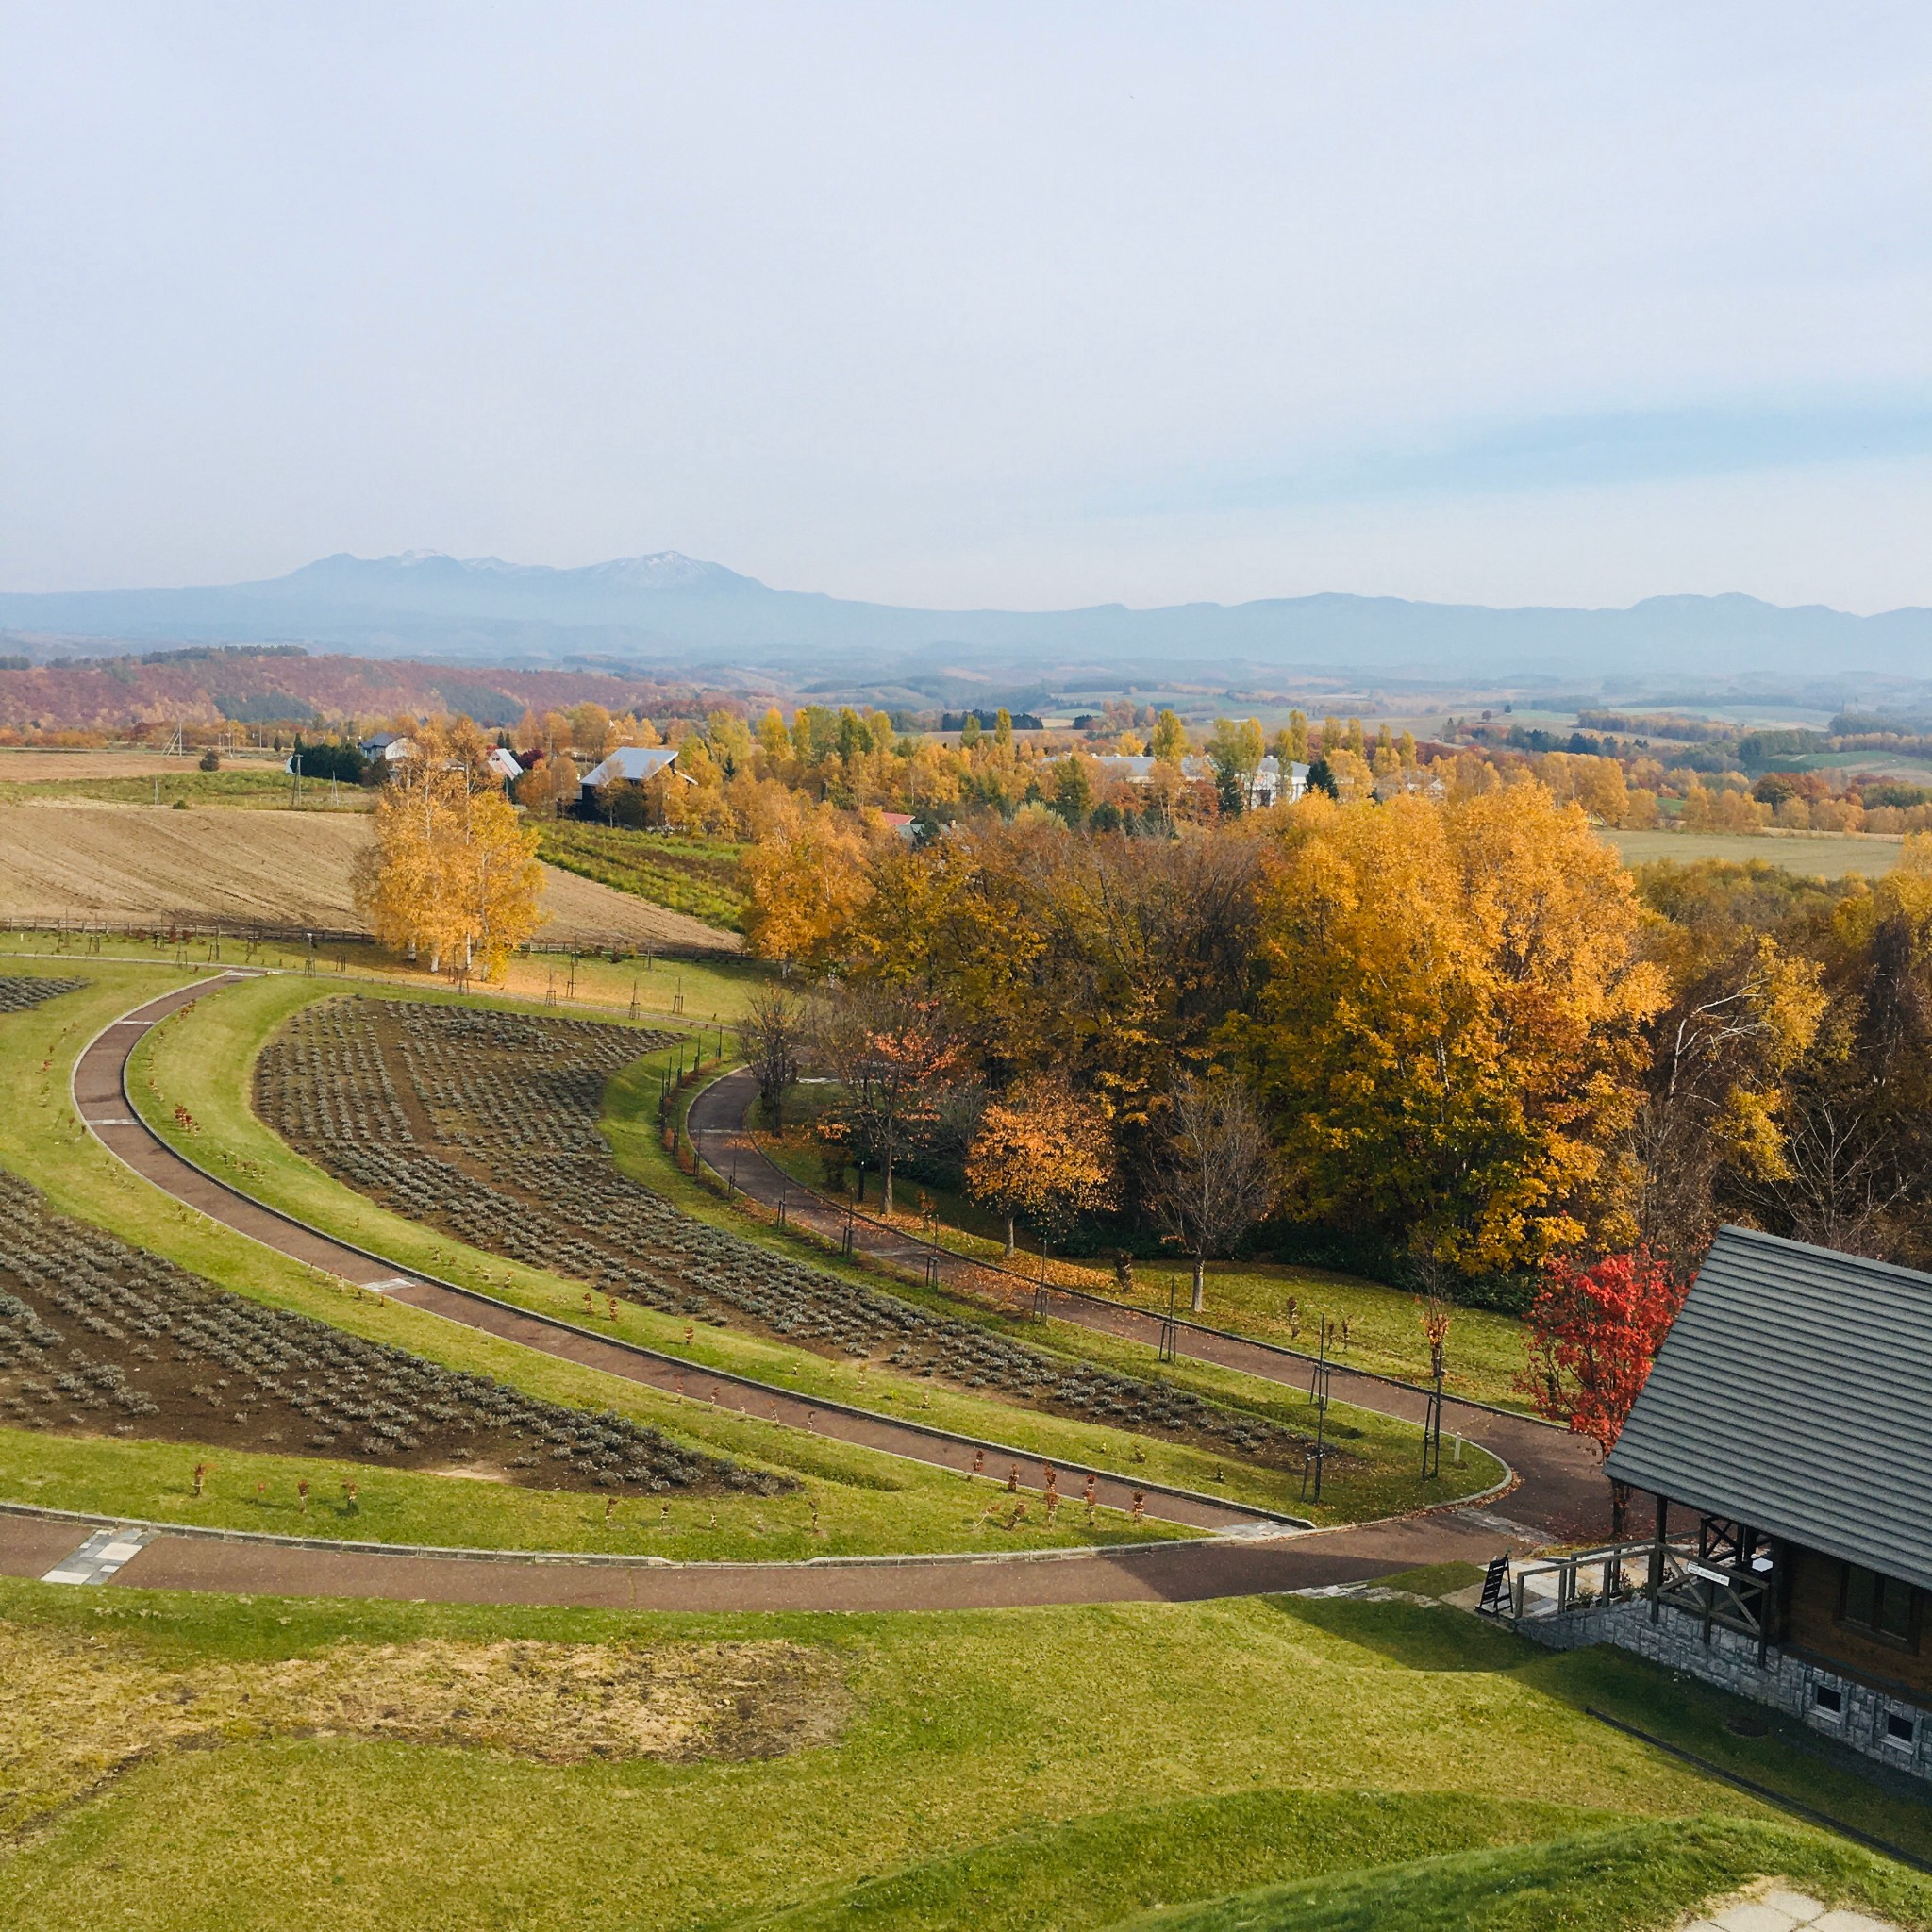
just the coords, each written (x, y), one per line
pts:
(1593, 1333)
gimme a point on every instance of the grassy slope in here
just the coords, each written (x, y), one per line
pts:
(1485, 1351)
(868, 1503)
(1382, 1481)
(1064, 1767)
(700, 992)
(1645, 1874)
(202, 1061)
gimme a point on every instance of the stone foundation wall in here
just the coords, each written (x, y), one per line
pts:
(1864, 1719)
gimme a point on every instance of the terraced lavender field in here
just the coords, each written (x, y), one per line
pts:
(485, 1124)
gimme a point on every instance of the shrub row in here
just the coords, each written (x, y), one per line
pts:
(257, 1364)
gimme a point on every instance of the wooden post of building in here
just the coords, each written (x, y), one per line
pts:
(1657, 1558)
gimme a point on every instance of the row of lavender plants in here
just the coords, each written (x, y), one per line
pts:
(515, 1163)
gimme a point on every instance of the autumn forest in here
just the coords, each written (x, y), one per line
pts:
(1445, 1037)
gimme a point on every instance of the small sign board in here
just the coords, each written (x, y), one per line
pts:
(1496, 1598)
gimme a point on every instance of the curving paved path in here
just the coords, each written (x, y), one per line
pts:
(1148, 1572)
(1262, 1554)
(1560, 1492)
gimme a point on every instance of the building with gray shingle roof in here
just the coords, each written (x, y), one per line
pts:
(1794, 1394)
(1785, 1433)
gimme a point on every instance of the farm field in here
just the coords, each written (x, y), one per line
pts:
(1404, 1766)
(866, 1502)
(695, 876)
(134, 863)
(255, 784)
(1821, 855)
(39, 766)
(201, 1060)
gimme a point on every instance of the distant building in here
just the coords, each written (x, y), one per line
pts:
(1275, 783)
(1784, 1437)
(1266, 788)
(634, 764)
(505, 764)
(386, 747)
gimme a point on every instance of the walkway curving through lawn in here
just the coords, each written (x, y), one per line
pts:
(100, 1093)
(239, 1563)
(1561, 1492)
(1254, 1552)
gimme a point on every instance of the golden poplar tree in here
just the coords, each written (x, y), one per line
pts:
(1450, 1035)
(805, 881)
(452, 878)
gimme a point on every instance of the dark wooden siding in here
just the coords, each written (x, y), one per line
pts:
(1813, 1595)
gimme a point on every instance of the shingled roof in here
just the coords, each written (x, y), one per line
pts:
(1794, 1393)
(633, 763)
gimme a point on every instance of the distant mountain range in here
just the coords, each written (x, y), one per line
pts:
(668, 611)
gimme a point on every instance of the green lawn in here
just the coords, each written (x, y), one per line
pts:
(201, 1060)
(1485, 1352)
(868, 1503)
(1638, 1874)
(1063, 1769)
(698, 994)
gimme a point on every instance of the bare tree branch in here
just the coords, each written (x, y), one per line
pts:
(1213, 1171)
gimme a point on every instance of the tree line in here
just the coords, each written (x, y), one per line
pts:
(1445, 1035)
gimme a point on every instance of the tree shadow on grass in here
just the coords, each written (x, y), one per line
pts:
(1409, 1635)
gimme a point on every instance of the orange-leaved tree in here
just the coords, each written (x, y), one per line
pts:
(894, 1056)
(1593, 1332)
(1044, 1152)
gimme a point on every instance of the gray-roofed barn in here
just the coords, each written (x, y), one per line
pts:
(1794, 1393)
(1786, 1434)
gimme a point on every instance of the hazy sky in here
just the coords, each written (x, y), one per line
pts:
(1024, 305)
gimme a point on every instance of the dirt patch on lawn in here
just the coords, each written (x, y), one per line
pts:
(75, 1711)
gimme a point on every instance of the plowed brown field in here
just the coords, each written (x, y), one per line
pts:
(132, 863)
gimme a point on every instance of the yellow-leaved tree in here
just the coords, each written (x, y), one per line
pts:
(453, 877)
(1449, 1037)
(804, 882)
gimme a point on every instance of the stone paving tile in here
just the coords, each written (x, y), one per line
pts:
(1757, 1915)
(98, 1557)
(1778, 1909)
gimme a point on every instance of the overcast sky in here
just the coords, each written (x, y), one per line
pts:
(976, 305)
